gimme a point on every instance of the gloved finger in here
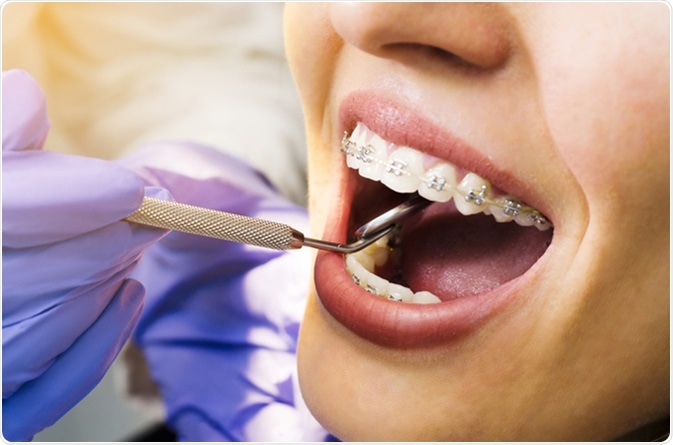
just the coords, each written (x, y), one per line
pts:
(24, 113)
(49, 197)
(57, 291)
(76, 372)
(46, 275)
(197, 174)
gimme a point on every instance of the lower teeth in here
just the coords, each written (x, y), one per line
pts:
(361, 266)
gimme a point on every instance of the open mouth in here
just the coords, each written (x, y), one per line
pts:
(444, 270)
(473, 239)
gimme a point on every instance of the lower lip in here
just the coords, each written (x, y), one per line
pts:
(403, 325)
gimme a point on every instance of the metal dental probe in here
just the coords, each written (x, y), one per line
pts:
(260, 232)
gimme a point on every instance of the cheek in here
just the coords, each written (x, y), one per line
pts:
(615, 144)
(605, 96)
(311, 47)
(609, 115)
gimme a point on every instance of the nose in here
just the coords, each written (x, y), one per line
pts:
(474, 33)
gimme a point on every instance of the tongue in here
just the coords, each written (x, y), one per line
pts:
(453, 256)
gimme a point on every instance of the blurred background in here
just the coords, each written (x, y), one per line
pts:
(117, 75)
(106, 416)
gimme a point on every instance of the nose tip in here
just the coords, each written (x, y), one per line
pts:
(476, 33)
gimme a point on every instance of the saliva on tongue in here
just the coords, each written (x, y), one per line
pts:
(454, 256)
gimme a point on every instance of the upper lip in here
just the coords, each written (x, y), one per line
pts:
(408, 325)
(402, 126)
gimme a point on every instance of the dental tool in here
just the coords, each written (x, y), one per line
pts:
(260, 232)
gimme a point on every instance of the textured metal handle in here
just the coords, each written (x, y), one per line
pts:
(216, 224)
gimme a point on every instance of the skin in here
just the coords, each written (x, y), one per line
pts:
(573, 99)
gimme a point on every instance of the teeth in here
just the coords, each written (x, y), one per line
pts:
(402, 170)
(376, 254)
(365, 158)
(397, 292)
(438, 183)
(425, 297)
(472, 194)
(376, 285)
(357, 271)
(367, 261)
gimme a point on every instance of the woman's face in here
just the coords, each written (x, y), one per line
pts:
(555, 333)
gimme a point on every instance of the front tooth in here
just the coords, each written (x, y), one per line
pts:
(472, 194)
(366, 159)
(374, 168)
(438, 183)
(403, 170)
(425, 297)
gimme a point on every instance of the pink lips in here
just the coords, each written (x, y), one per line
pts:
(401, 325)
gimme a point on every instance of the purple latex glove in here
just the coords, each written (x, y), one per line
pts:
(67, 306)
(221, 319)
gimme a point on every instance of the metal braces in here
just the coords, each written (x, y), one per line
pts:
(509, 206)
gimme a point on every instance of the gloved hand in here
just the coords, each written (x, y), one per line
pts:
(67, 306)
(220, 322)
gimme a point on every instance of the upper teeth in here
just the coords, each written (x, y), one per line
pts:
(403, 170)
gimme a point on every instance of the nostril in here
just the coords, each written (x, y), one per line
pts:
(427, 55)
(476, 35)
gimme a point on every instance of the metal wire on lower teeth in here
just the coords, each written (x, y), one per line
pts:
(374, 291)
(478, 197)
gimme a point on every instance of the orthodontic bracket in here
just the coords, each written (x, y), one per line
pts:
(365, 154)
(372, 290)
(476, 197)
(436, 182)
(398, 167)
(512, 208)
